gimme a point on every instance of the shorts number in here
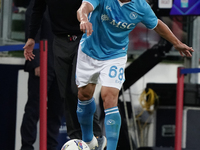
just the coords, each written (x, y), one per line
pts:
(121, 72)
(113, 72)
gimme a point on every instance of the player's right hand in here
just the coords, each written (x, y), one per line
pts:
(28, 49)
(86, 27)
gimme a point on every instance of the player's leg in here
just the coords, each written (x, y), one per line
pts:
(112, 116)
(85, 111)
(86, 79)
(112, 78)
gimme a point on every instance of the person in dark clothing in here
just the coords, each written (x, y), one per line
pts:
(67, 35)
(55, 109)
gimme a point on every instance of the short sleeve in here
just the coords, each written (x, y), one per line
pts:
(94, 3)
(150, 20)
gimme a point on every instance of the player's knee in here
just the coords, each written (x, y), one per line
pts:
(86, 92)
(109, 94)
(109, 100)
(84, 95)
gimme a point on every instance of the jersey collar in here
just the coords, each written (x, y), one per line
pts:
(121, 4)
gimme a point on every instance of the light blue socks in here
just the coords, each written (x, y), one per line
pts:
(112, 127)
(85, 111)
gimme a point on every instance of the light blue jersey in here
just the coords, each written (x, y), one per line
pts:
(112, 21)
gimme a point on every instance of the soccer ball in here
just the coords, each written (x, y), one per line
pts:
(75, 144)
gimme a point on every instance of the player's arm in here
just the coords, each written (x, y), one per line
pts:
(163, 30)
(82, 16)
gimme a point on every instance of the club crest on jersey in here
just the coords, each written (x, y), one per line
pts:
(133, 15)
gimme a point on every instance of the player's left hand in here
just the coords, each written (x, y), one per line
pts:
(184, 49)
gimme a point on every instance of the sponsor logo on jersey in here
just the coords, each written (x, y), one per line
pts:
(122, 25)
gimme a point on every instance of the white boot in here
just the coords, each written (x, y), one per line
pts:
(92, 144)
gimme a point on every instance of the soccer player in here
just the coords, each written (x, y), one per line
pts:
(102, 57)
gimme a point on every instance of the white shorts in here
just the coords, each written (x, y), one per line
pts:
(109, 73)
